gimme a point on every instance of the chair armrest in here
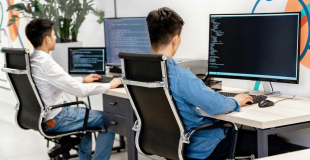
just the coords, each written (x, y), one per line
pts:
(211, 125)
(43, 113)
(69, 104)
(207, 126)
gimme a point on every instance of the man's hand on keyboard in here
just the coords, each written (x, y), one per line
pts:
(115, 82)
(91, 78)
(243, 99)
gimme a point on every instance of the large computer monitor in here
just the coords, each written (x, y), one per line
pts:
(84, 60)
(262, 47)
(125, 35)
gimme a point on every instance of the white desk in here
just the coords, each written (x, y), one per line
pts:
(284, 116)
(117, 92)
(290, 111)
(298, 155)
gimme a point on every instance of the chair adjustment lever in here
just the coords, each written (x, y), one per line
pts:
(113, 103)
(113, 122)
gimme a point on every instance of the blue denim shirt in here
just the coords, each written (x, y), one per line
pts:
(190, 92)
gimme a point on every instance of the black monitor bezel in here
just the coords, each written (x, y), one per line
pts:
(105, 42)
(257, 78)
(69, 58)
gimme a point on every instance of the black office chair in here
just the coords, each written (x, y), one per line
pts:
(160, 130)
(30, 109)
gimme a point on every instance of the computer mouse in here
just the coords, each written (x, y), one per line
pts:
(265, 103)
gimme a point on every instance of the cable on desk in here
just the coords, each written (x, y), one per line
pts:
(271, 87)
(272, 92)
(284, 99)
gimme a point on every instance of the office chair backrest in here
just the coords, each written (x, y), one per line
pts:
(17, 68)
(159, 127)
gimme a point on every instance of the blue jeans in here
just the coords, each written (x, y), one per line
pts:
(72, 118)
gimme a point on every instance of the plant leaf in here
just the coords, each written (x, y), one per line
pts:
(17, 6)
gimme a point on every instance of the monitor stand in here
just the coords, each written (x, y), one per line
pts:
(115, 69)
(267, 90)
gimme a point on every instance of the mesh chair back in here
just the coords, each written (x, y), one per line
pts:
(159, 128)
(19, 76)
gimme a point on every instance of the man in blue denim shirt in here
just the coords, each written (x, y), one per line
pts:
(189, 92)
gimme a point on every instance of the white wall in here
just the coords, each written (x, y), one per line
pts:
(195, 32)
(194, 44)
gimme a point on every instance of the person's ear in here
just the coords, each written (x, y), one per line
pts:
(174, 39)
(47, 39)
(149, 37)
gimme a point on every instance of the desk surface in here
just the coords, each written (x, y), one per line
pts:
(298, 155)
(283, 113)
(117, 92)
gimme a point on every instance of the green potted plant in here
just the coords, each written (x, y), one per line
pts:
(67, 15)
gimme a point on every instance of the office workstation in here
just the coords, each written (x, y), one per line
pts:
(246, 70)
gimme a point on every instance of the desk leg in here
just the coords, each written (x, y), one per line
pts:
(132, 151)
(262, 143)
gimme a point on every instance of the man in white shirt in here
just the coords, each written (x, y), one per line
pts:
(51, 81)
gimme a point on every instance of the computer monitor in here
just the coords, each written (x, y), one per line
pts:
(84, 60)
(262, 47)
(125, 35)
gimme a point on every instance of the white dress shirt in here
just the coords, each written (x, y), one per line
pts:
(51, 80)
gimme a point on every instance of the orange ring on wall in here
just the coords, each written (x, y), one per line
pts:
(12, 30)
(295, 6)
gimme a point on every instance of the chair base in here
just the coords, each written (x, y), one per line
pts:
(63, 147)
(68, 143)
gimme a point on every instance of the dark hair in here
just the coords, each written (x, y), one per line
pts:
(37, 29)
(163, 24)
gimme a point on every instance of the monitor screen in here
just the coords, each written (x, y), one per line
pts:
(86, 60)
(125, 35)
(261, 47)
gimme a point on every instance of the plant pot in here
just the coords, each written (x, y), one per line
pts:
(60, 54)
(64, 28)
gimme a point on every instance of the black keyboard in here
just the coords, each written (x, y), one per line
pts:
(256, 98)
(105, 79)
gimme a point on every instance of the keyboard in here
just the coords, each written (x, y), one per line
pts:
(105, 79)
(256, 98)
